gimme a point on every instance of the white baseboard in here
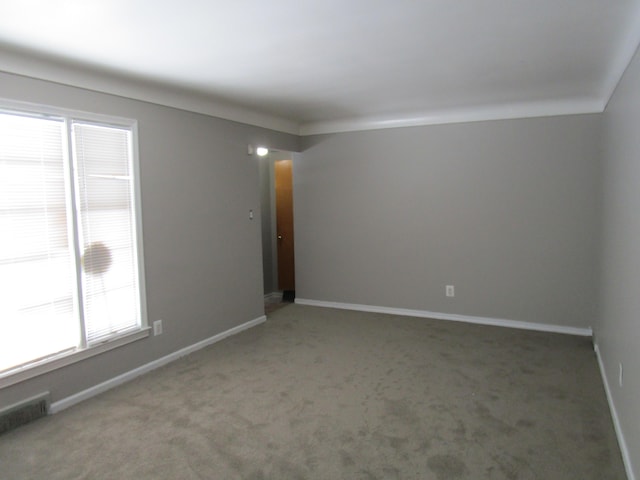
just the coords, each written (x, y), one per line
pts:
(497, 322)
(125, 377)
(626, 457)
(273, 297)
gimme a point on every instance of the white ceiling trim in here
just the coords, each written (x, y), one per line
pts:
(16, 63)
(534, 71)
(19, 63)
(463, 115)
(25, 65)
(625, 53)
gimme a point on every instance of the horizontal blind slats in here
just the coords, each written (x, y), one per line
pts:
(36, 278)
(104, 200)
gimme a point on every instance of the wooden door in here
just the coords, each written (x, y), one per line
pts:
(284, 224)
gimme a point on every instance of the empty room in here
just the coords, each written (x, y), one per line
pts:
(316, 240)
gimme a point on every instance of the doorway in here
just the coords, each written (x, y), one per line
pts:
(276, 193)
(283, 180)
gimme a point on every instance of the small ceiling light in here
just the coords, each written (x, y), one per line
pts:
(262, 151)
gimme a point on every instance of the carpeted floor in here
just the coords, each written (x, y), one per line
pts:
(326, 394)
(270, 307)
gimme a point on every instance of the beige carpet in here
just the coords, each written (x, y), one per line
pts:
(325, 394)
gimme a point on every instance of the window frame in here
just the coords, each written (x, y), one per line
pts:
(85, 350)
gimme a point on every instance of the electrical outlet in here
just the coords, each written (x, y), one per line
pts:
(157, 327)
(450, 291)
(620, 375)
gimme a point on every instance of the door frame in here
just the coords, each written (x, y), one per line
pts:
(273, 156)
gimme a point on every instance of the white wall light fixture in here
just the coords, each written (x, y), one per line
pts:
(260, 151)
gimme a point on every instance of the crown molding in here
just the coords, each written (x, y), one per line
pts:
(623, 58)
(42, 68)
(477, 114)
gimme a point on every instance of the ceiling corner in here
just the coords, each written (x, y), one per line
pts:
(625, 53)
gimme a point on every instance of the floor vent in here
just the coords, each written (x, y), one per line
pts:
(24, 412)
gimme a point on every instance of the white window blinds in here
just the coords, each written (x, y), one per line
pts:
(106, 228)
(36, 267)
(69, 266)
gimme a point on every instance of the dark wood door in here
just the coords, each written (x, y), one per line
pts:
(284, 222)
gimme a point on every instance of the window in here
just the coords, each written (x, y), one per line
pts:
(70, 262)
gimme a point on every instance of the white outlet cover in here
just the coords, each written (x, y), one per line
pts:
(157, 327)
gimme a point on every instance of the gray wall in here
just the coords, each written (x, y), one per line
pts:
(617, 333)
(202, 253)
(507, 211)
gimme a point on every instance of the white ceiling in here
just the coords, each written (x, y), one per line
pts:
(313, 66)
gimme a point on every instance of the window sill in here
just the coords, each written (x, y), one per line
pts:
(25, 372)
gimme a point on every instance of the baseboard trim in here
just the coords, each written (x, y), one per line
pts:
(270, 297)
(496, 322)
(136, 372)
(626, 457)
